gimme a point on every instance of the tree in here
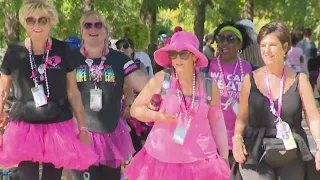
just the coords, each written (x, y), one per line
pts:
(248, 10)
(11, 22)
(87, 5)
(199, 19)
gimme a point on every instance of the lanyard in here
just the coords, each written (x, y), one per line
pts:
(239, 63)
(95, 73)
(41, 70)
(272, 108)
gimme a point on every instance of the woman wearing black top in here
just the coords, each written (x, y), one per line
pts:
(41, 126)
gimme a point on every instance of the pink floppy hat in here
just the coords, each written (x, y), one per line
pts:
(181, 40)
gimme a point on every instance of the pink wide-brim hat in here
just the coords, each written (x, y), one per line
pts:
(181, 41)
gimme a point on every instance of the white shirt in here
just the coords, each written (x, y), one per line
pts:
(145, 59)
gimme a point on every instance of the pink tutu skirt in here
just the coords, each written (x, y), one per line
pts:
(145, 167)
(55, 143)
(113, 148)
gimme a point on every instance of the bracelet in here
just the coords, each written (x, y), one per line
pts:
(237, 137)
(84, 129)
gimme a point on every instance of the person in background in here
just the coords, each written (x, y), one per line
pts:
(294, 57)
(73, 41)
(208, 51)
(126, 46)
(252, 52)
(228, 70)
(313, 67)
(307, 46)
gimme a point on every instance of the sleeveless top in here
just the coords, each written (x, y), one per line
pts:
(262, 123)
(199, 143)
(259, 103)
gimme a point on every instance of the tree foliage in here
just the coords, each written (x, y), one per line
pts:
(297, 14)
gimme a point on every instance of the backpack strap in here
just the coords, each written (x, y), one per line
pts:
(208, 89)
(166, 81)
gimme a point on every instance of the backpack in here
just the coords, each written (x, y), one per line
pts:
(207, 85)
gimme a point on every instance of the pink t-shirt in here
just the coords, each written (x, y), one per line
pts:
(199, 143)
(234, 87)
(293, 56)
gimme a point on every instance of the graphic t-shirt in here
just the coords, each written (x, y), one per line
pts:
(233, 84)
(116, 67)
(16, 63)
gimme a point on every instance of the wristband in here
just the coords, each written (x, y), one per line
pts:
(237, 137)
(84, 129)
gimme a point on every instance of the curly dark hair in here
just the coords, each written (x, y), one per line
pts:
(243, 30)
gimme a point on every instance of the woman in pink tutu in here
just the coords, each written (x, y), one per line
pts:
(101, 73)
(189, 129)
(41, 126)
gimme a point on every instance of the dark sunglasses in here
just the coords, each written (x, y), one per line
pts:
(124, 46)
(229, 38)
(97, 25)
(182, 54)
(31, 21)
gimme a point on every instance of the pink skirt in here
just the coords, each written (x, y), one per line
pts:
(115, 148)
(55, 143)
(145, 167)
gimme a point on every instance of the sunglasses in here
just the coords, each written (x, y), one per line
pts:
(229, 38)
(31, 21)
(124, 46)
(182, 54)
(89, 25)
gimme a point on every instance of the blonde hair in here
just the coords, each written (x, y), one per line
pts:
(96, 15)
(31, 7)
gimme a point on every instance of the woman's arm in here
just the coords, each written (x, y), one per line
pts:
(129, 98)
(74, 98)
(217, 124)
(243, 115)
(309, 107)
(137, 80)
(139, 108)
(5, 84)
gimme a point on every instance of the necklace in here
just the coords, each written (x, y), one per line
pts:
(95, 72)
(181, 95)
(42, 68)
(238, 63)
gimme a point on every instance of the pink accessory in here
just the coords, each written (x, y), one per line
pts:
(181, 41)
(42, 69)
(95, 72)
(272, 107)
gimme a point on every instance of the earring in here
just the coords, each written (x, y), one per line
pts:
(240, 51)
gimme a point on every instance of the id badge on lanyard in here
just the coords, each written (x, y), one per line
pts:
(283, 130)
(39, 96)
(96, 99)
(181, 131)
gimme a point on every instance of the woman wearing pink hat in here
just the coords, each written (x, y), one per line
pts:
(189, 129)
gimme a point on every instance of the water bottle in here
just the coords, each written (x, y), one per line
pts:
(154, 105)
(155, 102)
(5, 174)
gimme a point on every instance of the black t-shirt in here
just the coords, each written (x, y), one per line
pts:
(116, 67)
(16, 63)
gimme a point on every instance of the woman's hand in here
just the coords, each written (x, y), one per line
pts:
(84, 137)
(3, 120)
(161, 116)
(239, 151)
